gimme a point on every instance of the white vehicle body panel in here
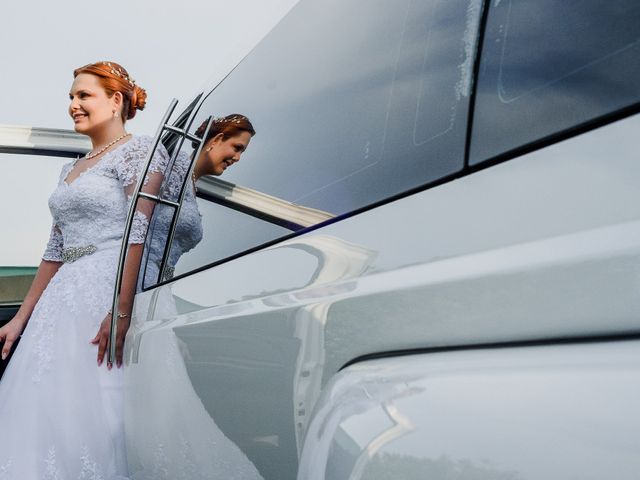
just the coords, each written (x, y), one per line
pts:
(540, 248)
(562, 412)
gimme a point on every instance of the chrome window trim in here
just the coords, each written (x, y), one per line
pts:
(266, 207)
(56, 142)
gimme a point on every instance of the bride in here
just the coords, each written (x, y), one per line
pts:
(60, 406)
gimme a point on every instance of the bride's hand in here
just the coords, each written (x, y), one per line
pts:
(9, 334)
(102, 339)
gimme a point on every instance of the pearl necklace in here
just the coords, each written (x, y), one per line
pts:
(89, 156)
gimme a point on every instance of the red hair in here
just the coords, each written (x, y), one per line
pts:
(228, 126)
(114, 78)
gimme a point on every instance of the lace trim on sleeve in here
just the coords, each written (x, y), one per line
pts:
(53, 252)
(129, 169)
(138, 228)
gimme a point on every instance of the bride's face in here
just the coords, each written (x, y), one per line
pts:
(220, 153)
(91, 108)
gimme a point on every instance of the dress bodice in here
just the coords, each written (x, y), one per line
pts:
(92, 209)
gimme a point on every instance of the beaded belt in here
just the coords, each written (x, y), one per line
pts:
(72, 254)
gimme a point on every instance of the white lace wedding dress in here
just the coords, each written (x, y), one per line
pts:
(60, 414)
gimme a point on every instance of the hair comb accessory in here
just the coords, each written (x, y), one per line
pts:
(230, 119)
(120, 73)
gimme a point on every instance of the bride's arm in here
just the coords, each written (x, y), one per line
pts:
(128, 174)
(125, 306)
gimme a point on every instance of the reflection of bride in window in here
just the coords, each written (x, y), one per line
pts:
(225, 143)
(170, 432)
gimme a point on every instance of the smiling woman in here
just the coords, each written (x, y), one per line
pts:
(53, 372)
(97, 82)
(226, 141)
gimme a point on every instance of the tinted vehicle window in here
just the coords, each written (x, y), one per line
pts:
(547, 66)
(205, 230)
(227, 231)
(353, 101)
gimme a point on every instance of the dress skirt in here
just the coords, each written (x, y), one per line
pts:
(61, 416)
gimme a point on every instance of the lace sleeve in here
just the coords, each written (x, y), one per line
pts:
(53, 252)
(129, 168)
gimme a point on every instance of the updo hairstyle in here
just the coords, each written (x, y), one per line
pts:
(114, 78)
(228, 126)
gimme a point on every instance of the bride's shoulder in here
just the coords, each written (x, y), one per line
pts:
(137, 148)
(139, 145)
(135, 153)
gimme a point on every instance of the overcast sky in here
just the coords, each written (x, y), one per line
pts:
(172, 49)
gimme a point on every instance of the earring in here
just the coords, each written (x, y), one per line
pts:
(208, 149)
(116, 114)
